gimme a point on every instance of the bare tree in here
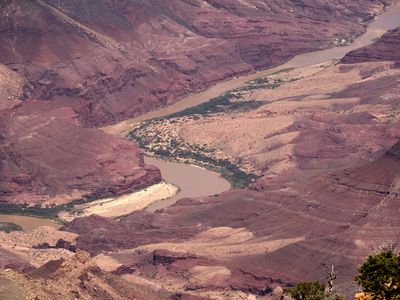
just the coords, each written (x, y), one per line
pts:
(332, 275)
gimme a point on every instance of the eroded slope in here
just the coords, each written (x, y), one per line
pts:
(335, 202)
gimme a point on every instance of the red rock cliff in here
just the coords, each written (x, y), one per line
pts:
(90, 63)
(109, 61)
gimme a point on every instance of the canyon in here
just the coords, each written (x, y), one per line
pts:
(84, 64)
(323, 143)
(336, 185)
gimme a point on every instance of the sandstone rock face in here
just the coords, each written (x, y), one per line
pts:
(385, 49)
(320, 118)
(109, 62)
(47, 159)
(97, 232)
(9, 260)
(76, 277)
(91, 63)
(337, 218)
(337, 205)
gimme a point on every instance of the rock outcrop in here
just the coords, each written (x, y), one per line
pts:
(12, 261)
(46, 158)
(98, 234)
(292, 233)
(82, 66)
(385, 49)
(110, 62)
(300, 224)
(76, 277)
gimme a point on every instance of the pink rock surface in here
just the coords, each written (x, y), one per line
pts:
(149, 56)
(88, 64)
(385, 49)
(48, 159)
(113, 62)
(9, 260)
(342, 217)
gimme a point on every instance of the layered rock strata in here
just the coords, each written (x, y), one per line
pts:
(109, 62)
(48, 159)
(381, 50)
(82, 64)
(338, 218)
(289, 229)
(76, 277)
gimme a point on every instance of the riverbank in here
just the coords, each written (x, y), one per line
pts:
(29, 223)
(181, 137)
(235, 153)
(109, 207)
(125, 204)
(388, 20)
(193, 181)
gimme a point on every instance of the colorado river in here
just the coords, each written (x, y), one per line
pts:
(193, 181)
(28, 223)
(388, 20)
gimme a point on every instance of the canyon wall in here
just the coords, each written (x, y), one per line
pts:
(79, 64)
(113, 60)
(290, 228)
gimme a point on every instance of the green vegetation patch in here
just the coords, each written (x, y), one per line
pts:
(161, 145)
(268, 82)
(178, 150)
(309, 291)
(9, 226)
(230, 171)
(253, 85)
(380, 275)
(219, 104)
(36, 211)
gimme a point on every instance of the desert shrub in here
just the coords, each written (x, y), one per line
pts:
(307, 290)
(380, 275)
(8, 227)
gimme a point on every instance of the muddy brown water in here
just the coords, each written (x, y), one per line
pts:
(192, 183)
(192, 180)
(28, 223)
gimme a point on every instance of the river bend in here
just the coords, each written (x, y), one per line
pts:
(188, 178)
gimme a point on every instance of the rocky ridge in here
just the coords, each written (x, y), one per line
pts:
(381, 50)
(76, 277)
(71, 57)
(9, 260)
(83, 64)
(336, 218)
(48, 159)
